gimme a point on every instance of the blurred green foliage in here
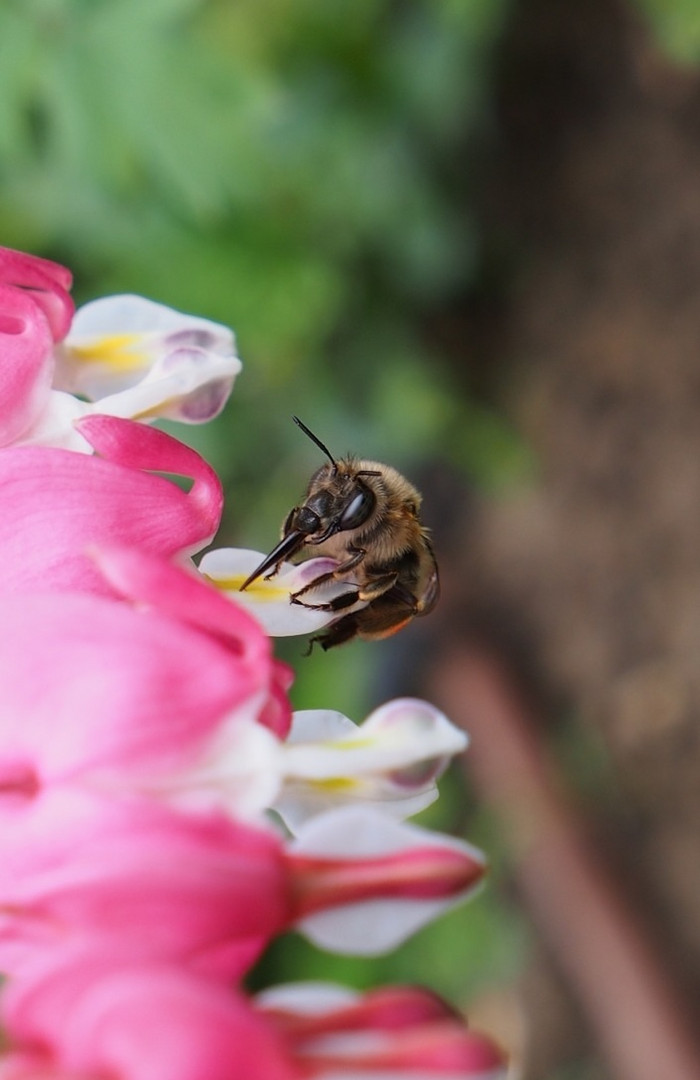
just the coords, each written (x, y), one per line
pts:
(676, 25)
(300, 170)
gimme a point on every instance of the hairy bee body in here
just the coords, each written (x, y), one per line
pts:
(366, 516)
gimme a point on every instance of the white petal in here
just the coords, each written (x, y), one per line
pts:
(269, 598)
(372, 927)
(118, 343)
(127, 313)
(237, 772)
(389, 763)
(189, 385)
(401, 734)
(297, 803)
(309, 998)
(55, 425)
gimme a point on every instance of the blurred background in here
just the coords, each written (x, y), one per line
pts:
(462, 237)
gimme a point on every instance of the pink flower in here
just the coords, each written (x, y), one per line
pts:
(150, 703)
(103, 1017)
(83, 876)
(135, 881)
(145, 730)
(127, 701)
(35, 311)
(126, 355)
(136, 358)
(57, 503)
(46, 283)
(94, 1019)
(396, 1031)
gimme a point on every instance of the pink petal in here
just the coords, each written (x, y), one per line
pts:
(57, 503)
(136, 445)
(363, 883)
(82, 877)
(184, 596)
(145, 579)
(26, 365)
(45, 282)
(393, 1031)
(152, 1022)
(131, 692)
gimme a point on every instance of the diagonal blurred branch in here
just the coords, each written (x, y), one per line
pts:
(633, 1008)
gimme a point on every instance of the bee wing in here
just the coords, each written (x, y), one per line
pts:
(431, 593)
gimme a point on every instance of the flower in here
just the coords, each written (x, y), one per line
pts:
(269, 598)
(390, 762)
(120, 356)
(57, 504)
(86, 1020)
(143, 882)
(188, 702)
(392, 1032)
(136, 881)
(146, 733)
(135, 358)
(145, 701)
(103, 1017)
(365, 883)
(35, 311)
(162, 710)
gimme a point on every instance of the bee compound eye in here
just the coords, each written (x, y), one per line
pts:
(358, 509)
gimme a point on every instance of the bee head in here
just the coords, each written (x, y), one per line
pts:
(337, 500)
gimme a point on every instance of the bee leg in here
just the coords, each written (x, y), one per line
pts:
(337, 604)
(376, 587)
(343, 568)
(389, 607)
(369, 592)
(344, 630)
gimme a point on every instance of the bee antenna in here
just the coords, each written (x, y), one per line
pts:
(315, 439)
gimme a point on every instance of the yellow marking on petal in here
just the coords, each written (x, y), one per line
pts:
(349, 744)
(335, 783)
(113, 351)
(260, 589)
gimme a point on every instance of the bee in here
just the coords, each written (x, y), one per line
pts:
(367, 517)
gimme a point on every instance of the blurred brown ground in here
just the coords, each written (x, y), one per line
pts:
(592, 205)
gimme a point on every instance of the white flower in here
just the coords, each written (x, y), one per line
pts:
(389, 763)
(137, 359)
(269, 598)
(429, 874)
